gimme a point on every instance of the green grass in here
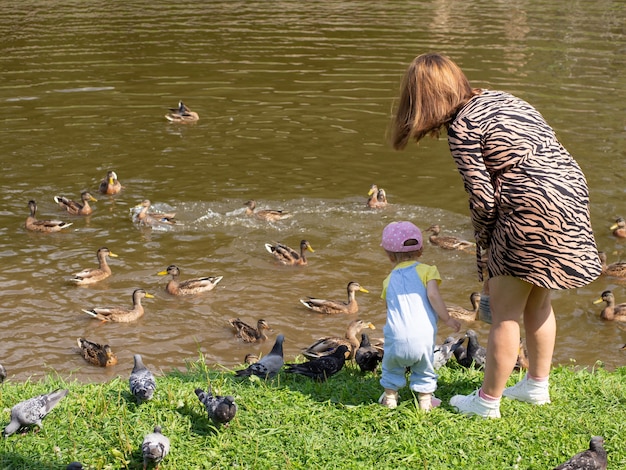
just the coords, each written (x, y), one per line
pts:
(293, 423)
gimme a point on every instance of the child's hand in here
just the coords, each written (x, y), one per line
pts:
(454, 323)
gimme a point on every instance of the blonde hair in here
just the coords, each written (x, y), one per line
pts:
(433, 89)
(399, 256)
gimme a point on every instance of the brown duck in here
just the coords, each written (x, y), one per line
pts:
(289, 256)
(248, 333)
(447, 242)
(190, 286)
(270, 215)
(96, 354)
(121, 314)
(330, 307)
(611, 312)
(93, 275)
(76, 208)
(110, 185)
(327, 345)
(463, 313)
(47, 226)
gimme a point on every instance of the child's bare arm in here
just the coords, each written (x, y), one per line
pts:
(438, 304)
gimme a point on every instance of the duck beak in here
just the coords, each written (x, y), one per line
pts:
(112, 255)
(149, 296)
(613, 227)
(362, 289)
(598, 301)
(371, 326)
(162, 273)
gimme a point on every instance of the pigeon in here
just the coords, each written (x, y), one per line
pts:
(268, 366)
(321, 368)
(30, 412)
(3, 373)
(154, 448)
(476, 354)
(443, 352)
(142, 383)
(367, 356)
(74, 466)
(221, 409)
(593, 458)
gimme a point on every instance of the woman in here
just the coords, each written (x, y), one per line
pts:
(529, 205)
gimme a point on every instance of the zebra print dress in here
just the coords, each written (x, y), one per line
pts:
(528, 197)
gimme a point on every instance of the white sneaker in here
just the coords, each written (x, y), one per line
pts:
(530, 391)
(390, 400)
(473, 404)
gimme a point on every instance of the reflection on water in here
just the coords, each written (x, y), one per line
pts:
(294, 100)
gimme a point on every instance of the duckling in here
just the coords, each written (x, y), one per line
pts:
(611, 312)
(250, 334)
(617, 269)
(270, 215)
(182, 114)
(464, 314)
(377, 197)
(43, 225)
(619, 227)
(110, 185)
(153, 218)
(93, 275)
(327, 345)
(447, 242)
(251, 358)
(121, 314)
(74, 207)
(96, 354)
(287, 255)
(336, 306)
(190, 286)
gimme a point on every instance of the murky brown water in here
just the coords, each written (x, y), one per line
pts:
(294, 100)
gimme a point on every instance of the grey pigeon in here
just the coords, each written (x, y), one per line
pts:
(323, 367)
(367, 356)
(221, 409)
(30, 412)
(444, 351)
(154, 448)
(593, 458)
(476, 355)
(141, 381)
(3, 373)
(268, 366)
(74, 466)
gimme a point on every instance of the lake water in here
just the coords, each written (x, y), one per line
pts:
(294, 101)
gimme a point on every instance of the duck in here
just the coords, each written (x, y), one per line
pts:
(367, 356)
(325, 346)
(377, 197)
(271, 215)
(190, 286)
(182, 114)
(289, 256)
(144, 217)
(47, 226)
(76, 208)
(611, 312)
(464, 314)
(447, 242)
(619, 228)
(110, 185)
(96, 354)
(617, 269)
(93, 275)
(330, 307)
(121, 314)
(250, 334)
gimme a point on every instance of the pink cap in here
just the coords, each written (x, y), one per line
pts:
(397, 233)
